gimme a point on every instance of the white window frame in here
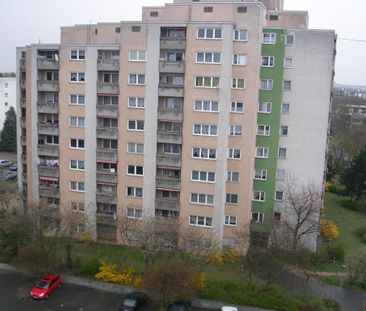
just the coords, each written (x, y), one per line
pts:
(239, 59)
(288, 62)
(233, 154)
(79, 165)
(77, 97)
(213, 82)
(266, 105)
(202, 152)
(288, 36)
(80, 122)
(259, 218)
(282, 153)
(77, 207)
(206, 30)
(137, 78)
(140, 56)
(260, 174)
(134, 170)
(282, 109)
(240, 35)
(259, 196)
(235, 130)
(209, 132)
(234, 107)
(277, 192)
(77, 140)
(198, 196)
(135, 147)
(136, 102)
(136, 122)
(280, 174)
(208, 58)
(269, 84)
(80, 77)
(229, 198)
(271, 37)
(79, 56)
(80, 186)
(230, 175)
(230, 220)
(268, 61)
(205, 219)
(134, 213)
(238, 83)
(262, 152)
(134, 192)
(263, 130)
(284, 130)
(199, 173)
(287, 86)
(210, 104)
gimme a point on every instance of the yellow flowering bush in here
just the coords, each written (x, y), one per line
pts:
(329, 230)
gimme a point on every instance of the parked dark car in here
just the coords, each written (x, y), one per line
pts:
(180, 306)
(13, 168)
(133, 301)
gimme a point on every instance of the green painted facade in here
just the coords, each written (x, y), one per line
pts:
(273, 119)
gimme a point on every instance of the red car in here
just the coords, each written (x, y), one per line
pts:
(45, 286)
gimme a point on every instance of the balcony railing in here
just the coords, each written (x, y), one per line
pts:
(22, 122)
(48, 150)
(107, 154)
(167, 204)
(44, 107)
(105, 176)
(51, 171)
(173, 43)
(49, 192)
(47, 64)
(105, 197)
(106, 219)
(108, 64)
(169, 137)
(22, 103)
(23, 140)
(48, 86)
(169, 160)
(168, 182)
(22, 63)
(171, 90)
(108, 88)
(22, 84)
(171, 67)
(48, 129)
(170, 114)
(108, 133)
(107, 110)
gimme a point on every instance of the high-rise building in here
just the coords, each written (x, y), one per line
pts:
(7, 96)
(198, 112)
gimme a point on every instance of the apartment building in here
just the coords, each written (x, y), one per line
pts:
(7, 96)
(196, 113)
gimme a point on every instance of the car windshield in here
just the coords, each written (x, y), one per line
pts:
(129, 302)
(42, 285)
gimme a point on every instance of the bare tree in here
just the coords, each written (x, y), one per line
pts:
(8, 196)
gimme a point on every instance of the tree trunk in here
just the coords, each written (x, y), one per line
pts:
(306, 286)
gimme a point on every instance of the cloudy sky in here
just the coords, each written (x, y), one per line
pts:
(30, 21)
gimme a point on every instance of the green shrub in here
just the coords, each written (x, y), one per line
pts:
(90, 268)
(361, 232)
(335, 251)
(337, 189)
(348, 204)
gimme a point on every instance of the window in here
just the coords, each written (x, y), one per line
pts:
(288, 62)
(269, 38)
(235, 130)
(282, 153)
(261, 152)
(277, 216)
(138, 79)
(134, 213)
(230, 220)
(234, 153)
(169, 194)
(77, 122)
(77, 54)
(207, 81)
(173, 103)
(206, 106)
(237, 107)
(171, 148)
(136, 28)
(257, 217)
(109, 143)
(290, 39)
(106, 208)
(52, 140)
(135, 125)
(172, 79)
(284, 130)
(266, 84)
(78, 228)
(265, 107)
(136, 102)
(200, 221)
(135, 148)
(173, 56)
(268, 61)
(203, 176)
(287, 85)
(232, 198)
(77, 186)
(278, 195)
(208, 9)
(209, 33)
(285, 108)
(137, 55)
(238, 83)
(50, 76)
(273, 17)
(77, 77)
(108, 122)
(174, 127)
(135, 170)
(110, 77)
(232, 176)
(118, 29)
(6, 85)
(260, 174)
(77, 143)
(134, 192)
(208, 58)
(242, 9)
(52, 97)
(111, 167)
(241, 35)
(280, 174)
(77, 99)
(77, 206)
(199, 198)
(77, 165)
(239, 59)
(259, 196)
(204, 153)
(109, 100)
(205, 129)
(263, 130)
(154, 14)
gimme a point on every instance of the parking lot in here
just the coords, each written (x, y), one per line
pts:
(8, 171)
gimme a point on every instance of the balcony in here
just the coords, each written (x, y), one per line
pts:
(48, 150)
(171, 67)
(23, 140)
(107, 133)
(168, 160)
(47, 64)
(106, 197)
(51, 171)
(22, 63)
(169, 137)
(167, 204)
(107, 110)
(107, 154)
(22, 84)
(173, 43)
(49, 192)
(170, 114)
(166, 182)
(47, 107)
(171, 90)
(22, 122)
(22, 103)
(24, 159)
(106, 219)
(106, 176)
(48, 129)
(48, 86)
(108, 88)
(108, 64)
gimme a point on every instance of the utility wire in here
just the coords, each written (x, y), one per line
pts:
(354, 40)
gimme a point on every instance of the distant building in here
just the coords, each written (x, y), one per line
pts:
(198, 112)
(7, 96)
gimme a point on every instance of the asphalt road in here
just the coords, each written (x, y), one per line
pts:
(15, 288)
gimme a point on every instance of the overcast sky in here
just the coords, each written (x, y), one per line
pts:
(29, 21)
